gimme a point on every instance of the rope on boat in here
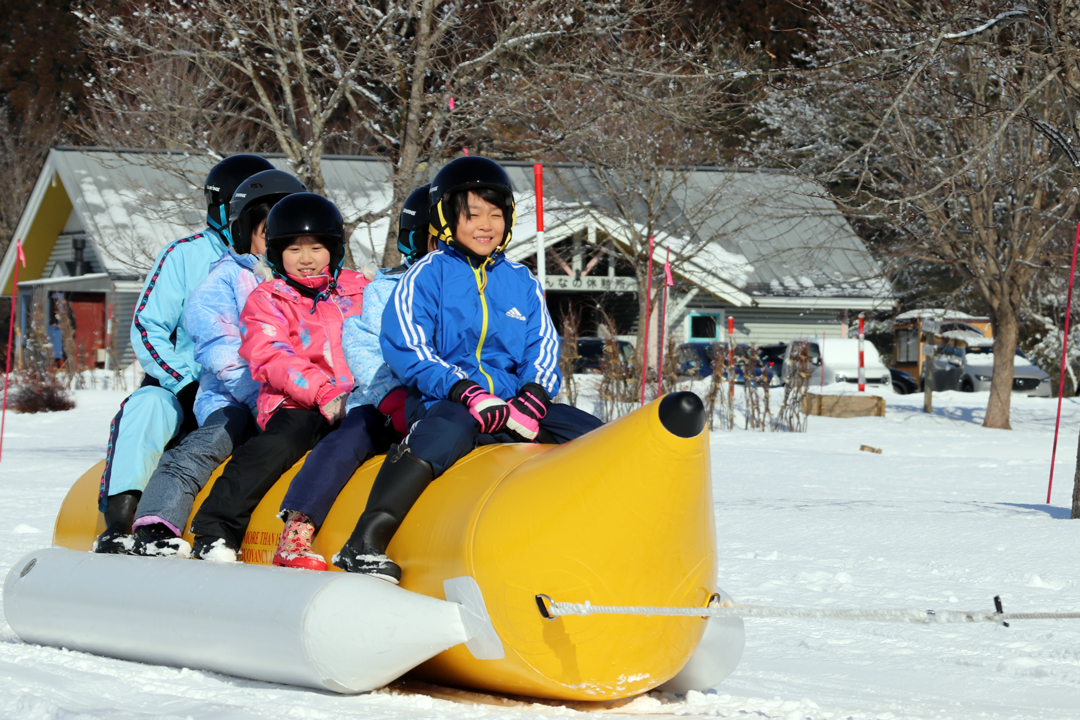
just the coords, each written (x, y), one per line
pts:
(550, 610)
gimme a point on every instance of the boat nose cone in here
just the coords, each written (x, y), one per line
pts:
(682, 414)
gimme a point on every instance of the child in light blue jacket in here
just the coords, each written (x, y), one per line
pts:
(226, 400)
(375, 415)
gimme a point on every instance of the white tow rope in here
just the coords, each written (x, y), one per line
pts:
(551, 610)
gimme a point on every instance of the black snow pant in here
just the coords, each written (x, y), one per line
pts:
(254, 468)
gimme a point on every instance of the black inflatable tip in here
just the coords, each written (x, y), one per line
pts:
(682, 414)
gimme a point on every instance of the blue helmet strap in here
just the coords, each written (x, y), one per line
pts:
(221, 225)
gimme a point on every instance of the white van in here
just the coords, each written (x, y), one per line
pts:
(839, 361)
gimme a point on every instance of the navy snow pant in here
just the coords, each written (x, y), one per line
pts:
(445, 432)
(363, 433)
(255, 467)
(185, 469)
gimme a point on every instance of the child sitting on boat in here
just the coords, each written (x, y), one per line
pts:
(225, 403)
(469, 333)
(291, 338)
(365, 431)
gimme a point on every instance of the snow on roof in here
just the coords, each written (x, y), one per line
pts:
(938, 314)
(747, 234)
(132, 204)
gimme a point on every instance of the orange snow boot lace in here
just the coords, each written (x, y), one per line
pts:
(294, 550)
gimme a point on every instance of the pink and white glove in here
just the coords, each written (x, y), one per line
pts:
(490, 412)
(526, 411)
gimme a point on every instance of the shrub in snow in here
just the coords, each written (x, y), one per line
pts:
(37, 386)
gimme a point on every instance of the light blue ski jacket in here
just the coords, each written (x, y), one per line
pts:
(158, 336)
(451, 318)
(213, 324)
(372, 377)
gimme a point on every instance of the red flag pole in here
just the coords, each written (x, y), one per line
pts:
(663, 323)
(731, 356)
(648, 303)
(19, 257)
(1064, 356)
(541, 264)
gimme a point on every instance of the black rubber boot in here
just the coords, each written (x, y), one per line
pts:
(119, 514)
(399, 484)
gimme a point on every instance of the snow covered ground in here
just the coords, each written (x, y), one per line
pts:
(947, 516)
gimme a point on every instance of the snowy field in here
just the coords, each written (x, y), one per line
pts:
(947, 516)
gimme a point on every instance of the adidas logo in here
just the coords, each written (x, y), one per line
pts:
(515, 313)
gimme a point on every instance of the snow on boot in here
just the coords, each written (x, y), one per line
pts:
(294, 549)
(114, 542)
(214, 549)
(119, 514)
(374, 564)
(158, 540)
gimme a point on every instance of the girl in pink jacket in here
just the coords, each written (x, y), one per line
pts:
(291, 331)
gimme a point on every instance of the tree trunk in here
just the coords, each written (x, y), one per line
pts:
(1076, 487)
(1006, 332)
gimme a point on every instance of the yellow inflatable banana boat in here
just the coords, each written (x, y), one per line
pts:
(620, 516)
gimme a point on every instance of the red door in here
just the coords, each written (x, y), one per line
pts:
(88, 312)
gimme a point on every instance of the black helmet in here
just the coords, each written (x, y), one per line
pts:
(468, 173)
(266, 187)
(413, 225)
(304, 213)
(221, 183)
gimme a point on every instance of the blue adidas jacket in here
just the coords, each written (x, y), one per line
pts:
(448, 320)
(158, 336)
(213, 324)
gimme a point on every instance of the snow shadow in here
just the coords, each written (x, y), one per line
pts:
(1057, 513)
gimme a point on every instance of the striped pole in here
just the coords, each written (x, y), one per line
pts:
(648, 302)
(541, 266)
(862, 363)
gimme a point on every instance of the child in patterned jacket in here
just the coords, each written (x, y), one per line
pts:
(291, 328)
(375, 410)
(225, 403)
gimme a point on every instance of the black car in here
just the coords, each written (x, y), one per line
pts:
(591, 354)
(903, 383)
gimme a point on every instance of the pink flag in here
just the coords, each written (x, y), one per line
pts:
(451, 102)
(19, 252)
(667, 272)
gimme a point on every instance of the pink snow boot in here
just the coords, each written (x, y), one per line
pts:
(294, 550)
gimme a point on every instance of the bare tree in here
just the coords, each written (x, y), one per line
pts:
(641, 119)
(299, 78)
(929, 140)
(24, 144)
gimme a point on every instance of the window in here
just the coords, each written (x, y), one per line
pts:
(703, 327)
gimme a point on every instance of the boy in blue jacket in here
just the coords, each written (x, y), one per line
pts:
(162, 408)
(468, 332)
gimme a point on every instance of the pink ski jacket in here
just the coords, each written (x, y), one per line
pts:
(294, 354)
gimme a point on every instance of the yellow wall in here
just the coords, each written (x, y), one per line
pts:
(45, 228)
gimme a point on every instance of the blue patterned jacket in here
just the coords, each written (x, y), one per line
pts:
(372, 376)
(213, 323)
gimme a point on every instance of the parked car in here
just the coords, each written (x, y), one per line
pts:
(971, 369)
(697, 360)
(773, 356)
(841, 361)
(591, 354)
(903, 383)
